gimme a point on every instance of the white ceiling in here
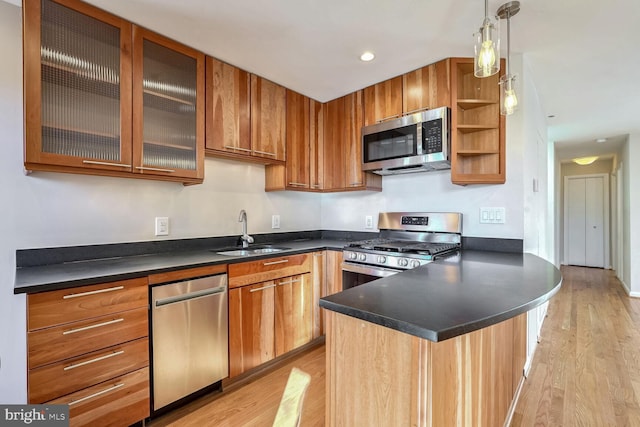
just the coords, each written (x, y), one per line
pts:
(583, 54)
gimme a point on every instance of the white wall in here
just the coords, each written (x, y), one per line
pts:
(47, 209)
(631, 245)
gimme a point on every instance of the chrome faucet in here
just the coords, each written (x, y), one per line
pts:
(246, 239)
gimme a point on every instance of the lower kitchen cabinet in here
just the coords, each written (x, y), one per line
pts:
(267, 320)
(251, 326)
(294, 313)
(88, 347)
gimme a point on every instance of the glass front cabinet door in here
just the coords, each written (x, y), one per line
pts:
(105, 97)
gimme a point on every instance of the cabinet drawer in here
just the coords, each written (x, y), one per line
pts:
(73, 339)
(268, 269)
(68, 305)
(52, 381)
(118, 402)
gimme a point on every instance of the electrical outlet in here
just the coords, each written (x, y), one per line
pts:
(492, 215)
(275, 221)
(368, 221)
(162, 226)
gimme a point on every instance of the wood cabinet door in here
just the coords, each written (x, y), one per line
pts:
(268, 119)
(77, 74)
(228, 122)
(316, 145)
(334, 145)
(168, 104)
(383, 101)
(293, 313)
(353, 121)
(298, 136)
(251, 326)
(333, 273)
(318, 280)
(427, 87)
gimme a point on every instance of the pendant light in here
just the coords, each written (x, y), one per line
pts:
(508, 98)
(487, 48)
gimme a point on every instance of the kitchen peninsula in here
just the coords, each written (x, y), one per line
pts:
(442, 344)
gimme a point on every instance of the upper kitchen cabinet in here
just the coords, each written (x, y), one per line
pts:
(168, 103)
(304, 135)
(228, 108)
(342, 146)
(477, 128)
(245, 115)
(427, 87)
(383, 101)
(268, 119)
(87, 77)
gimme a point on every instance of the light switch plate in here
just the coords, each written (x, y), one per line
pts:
(492, 215)
(275, 221)
(162, 226)
(368, 221)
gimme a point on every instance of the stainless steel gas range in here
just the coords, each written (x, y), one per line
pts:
(406, 240)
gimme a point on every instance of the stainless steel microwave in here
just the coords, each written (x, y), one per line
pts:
(417, 142)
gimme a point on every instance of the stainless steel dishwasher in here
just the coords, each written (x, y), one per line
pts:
(189, 337)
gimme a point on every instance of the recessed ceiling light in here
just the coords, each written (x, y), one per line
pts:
(367, 56)
(601, 140)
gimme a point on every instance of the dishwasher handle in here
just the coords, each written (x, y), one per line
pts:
(190, 296)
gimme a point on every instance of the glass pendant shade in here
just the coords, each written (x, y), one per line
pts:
(487, 48)
(508, 98)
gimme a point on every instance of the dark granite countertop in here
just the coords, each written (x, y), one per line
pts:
(454, 296)
(41, 278)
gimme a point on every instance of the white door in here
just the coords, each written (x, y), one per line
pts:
(585, 222)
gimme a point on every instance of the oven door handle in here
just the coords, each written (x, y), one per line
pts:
(369, 270)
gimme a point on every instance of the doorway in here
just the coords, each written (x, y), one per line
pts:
(586, 220)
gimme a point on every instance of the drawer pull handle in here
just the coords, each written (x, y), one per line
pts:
(266, 153)
(91, 396)
(94, 162)
(231, 147)
(282, 261)
(288, 282)
(97, 325)
(99, 291)
(97, 359)
(262, 288)
(145, 168)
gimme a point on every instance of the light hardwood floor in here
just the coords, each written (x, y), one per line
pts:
(585, 372)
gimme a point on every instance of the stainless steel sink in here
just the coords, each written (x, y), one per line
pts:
(256, 250)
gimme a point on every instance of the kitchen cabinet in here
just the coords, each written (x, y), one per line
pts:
(105, 97)
(304, 137)
(478, 154)
(318, 277)
(88, 347)
(293, 313)
(383, 101)
(228, 108)
(343, 120)
(270, 309)
(427, 87)
(245, 115)
(268, 119)
(332, 281)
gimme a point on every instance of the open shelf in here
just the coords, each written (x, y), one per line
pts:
(469, 104)
(474, 128)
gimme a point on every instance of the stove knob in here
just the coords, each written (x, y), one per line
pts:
(402, 262)
(415, 263)
(351, 255)
(382, 259)
(362, 257)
